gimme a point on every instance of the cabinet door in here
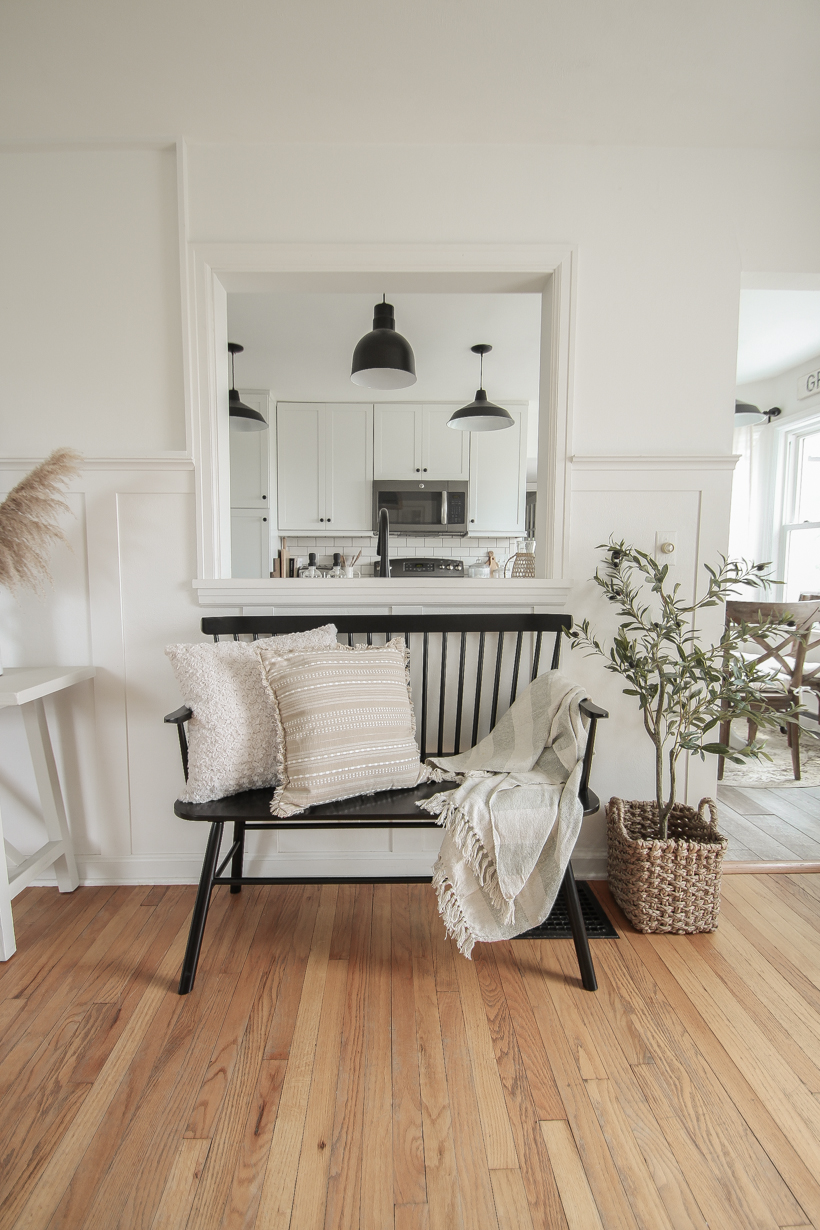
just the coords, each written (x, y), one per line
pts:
(250, 451)
(300, 466)
(250, 542)
(498, 478)
(348, 433)
(445, 452)
(397, 441)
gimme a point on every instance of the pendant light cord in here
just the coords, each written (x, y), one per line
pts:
(481, 379)
(233, 377)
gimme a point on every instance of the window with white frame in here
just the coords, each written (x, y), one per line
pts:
(800, 533)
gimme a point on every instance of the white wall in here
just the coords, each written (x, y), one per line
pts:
(90, 340)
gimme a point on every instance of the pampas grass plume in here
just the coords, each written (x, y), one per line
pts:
(29, 518)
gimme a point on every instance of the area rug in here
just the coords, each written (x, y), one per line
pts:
(556, 926)
(777, 771)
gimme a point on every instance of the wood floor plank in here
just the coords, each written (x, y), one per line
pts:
(541, 1082)
(579, 1204)
(293, 976)
(376, 1199)
(471, 1157)
(778, 1085)
(492, 1106)
(610, 1197)
(543, 1200)
(776, 1023)
(175, 1203)
(411, 1217)
(220, 1067)
(310, 1196)
(708, 1126)
(151, 1139)
(409, 1186)
(57, 1174)
(344, 1180)
(511, 1205)
(685, 1092)
(276, 1200)
(443, 1194)
(242, 1204)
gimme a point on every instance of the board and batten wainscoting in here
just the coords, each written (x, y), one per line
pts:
(126, 589)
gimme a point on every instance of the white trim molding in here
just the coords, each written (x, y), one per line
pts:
(212, 269)
(383, 595)
(164, 461)
(722, 461)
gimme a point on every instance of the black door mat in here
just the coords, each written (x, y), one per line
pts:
(556, 926)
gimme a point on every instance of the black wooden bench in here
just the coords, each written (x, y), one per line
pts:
(457, 645)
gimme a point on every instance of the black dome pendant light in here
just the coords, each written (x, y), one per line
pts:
(383, 359)
(481, 414)
(242, 417)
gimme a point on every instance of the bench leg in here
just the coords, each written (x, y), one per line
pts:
(579, 931)
(200, 914)
(238, 860)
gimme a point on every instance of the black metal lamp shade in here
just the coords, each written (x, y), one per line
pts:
(481, 414)
(241, 417)
(746, 414)
(383, 359)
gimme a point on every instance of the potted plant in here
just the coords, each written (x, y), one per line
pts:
(664, 858)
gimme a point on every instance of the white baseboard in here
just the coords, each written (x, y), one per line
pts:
(185, 868)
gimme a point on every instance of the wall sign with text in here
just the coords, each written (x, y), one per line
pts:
(808, 385)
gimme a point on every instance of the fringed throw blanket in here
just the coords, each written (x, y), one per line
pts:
(514, 819)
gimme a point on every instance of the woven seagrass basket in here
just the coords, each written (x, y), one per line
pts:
(666, 886)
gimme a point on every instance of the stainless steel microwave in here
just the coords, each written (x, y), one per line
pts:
(429, 507)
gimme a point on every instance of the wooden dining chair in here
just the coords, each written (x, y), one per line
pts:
(786, 657)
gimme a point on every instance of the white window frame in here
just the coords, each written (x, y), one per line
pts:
(791, 435)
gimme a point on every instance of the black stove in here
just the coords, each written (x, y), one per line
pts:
(426, 566)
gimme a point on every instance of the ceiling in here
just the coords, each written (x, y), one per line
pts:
(639, 72)
(300, 345)
(779, 329)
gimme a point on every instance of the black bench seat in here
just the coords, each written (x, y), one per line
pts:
(250, 810)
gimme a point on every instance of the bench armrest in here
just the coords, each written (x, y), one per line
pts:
(178, 718)
(593, 712)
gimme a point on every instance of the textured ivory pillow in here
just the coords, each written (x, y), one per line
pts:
(346, 724)
(232, 737)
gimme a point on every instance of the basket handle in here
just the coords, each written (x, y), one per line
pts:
(711, 806)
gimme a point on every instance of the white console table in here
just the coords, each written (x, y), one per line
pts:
(26, 686)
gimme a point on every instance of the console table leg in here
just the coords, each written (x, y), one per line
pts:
(8, 944)
(51, 795)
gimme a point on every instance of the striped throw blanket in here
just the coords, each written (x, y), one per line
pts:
(512, 822)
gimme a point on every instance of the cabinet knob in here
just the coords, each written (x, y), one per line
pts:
(472, 520)
(321, 518)
(264, 518)
(328, 520)
(264, 497)
(418, 469)
(425, 469)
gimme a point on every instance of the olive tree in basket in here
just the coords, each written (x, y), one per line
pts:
(665, 858)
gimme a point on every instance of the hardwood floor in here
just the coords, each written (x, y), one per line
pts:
(771, 826)
(339, 1065)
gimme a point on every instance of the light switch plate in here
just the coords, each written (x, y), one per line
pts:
(664, 539)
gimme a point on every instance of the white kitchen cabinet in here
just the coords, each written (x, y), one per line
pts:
(413, 438)
(250, 542)
(498, 478)
(250, 452)
(325, 468)
(250, 493)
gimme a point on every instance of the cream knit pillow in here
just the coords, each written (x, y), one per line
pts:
(346, 723)
(232, 737)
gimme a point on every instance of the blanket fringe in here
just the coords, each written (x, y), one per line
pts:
(479, 860)
(455, 924)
